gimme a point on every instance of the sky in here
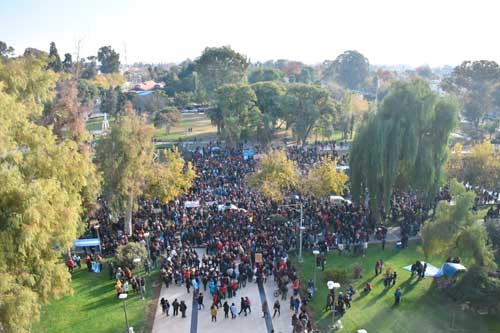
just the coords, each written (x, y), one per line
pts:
(387, 32)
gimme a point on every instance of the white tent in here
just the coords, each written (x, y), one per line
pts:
(448, 269)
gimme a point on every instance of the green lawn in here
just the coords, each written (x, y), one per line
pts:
(199, 122)
(423, 309)
(94, 307)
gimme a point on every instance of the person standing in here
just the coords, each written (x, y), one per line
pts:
(397, 296)
(167, 307)
(213, 312)
(226, 310)
(264, 309)
(175, 305)
(377, 266)
(183, 309)
(277, 308)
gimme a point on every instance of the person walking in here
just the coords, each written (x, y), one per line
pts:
(277, 308)
(183, 309)
(397, 296)
(200, 301)
(248, 304)
(226, 310)
(167, 307)
(213, 312)
(243, 307)
(264, 309)
(234, 311)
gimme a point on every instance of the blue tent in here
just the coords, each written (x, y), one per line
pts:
(247, 153)
(450, 269)
(87, 242)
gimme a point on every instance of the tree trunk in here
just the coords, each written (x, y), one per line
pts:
(128, 218)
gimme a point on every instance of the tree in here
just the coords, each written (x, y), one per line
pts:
(218, 66)
(274, 175)
(88, 68)
(265, 74)
(304, 105)
(404, 145)
(454, 231)
(269, 101)
(493, 230)
(45, 184)
(5, 51)
(109, 101)
(67, 64)
(168, 118)
(351, 69)
(325, 180)
(481, 167)
(128, 253)
(109, 59)
(473, 82)
(125, 158)
(54, 60)
(239, 113)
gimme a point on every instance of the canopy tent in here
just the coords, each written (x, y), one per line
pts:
(338, 199)
(248, 153)
(449, 269)
(229, 206)
(192, 204)
(79, 244)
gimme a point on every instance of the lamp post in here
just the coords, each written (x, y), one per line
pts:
(332, 286)
(123, 297)
(315, 252)
(146, 234)
(301, 227)
(137, 261)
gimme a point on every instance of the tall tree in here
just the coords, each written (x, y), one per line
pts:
(88, 68)
(168, 118)
(473, 83)
(304, 105)
(109, 59)
(45, 183)
(269, 101)
(54, 60)
(67, 63)
(265, 74)
(5, 50)
(238, 111)
(125, 158)
(218, 66)
(325, 180)
(351, 69)
(404, 145)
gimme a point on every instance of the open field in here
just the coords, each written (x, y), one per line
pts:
(423, 308)
(94, 307)
(199, 122)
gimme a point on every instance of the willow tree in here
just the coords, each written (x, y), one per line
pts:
(274, 175)
(404, 146)
(45, 182)
(126, 159)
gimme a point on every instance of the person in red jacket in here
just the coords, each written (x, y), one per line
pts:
(70, 264)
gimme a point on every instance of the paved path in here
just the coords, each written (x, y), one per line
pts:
(200, 320)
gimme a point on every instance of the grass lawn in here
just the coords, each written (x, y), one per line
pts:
(94, 307)
(199, 122)
(423, 308)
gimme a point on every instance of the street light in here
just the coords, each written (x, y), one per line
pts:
(146, 235)
(301, 227)
(123, 297)
(315, 252)
(332, 286)
(137, 261)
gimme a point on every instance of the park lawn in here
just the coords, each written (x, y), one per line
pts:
(424, 308)
(94, 307)
(199, 122)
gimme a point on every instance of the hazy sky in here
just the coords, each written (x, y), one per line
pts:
(414, 32)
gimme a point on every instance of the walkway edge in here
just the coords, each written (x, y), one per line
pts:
(269, 321)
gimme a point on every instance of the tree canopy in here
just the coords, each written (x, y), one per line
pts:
(350, 69)
(325, 180)
(109, 59)
(404, 145)
(218, 66)
(45, 184)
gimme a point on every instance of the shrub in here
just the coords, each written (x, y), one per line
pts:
(357, 271)
(339, 275)
(476, 287)
(125, 254)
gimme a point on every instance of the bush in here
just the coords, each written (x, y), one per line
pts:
(357, 272)
(476, 287)
(339, 275)
(125, 254)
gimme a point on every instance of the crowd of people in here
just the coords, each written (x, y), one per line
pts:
(247, 237)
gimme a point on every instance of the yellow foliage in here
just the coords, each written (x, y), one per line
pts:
(110, 80)
(326, 180)
(275, 173)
